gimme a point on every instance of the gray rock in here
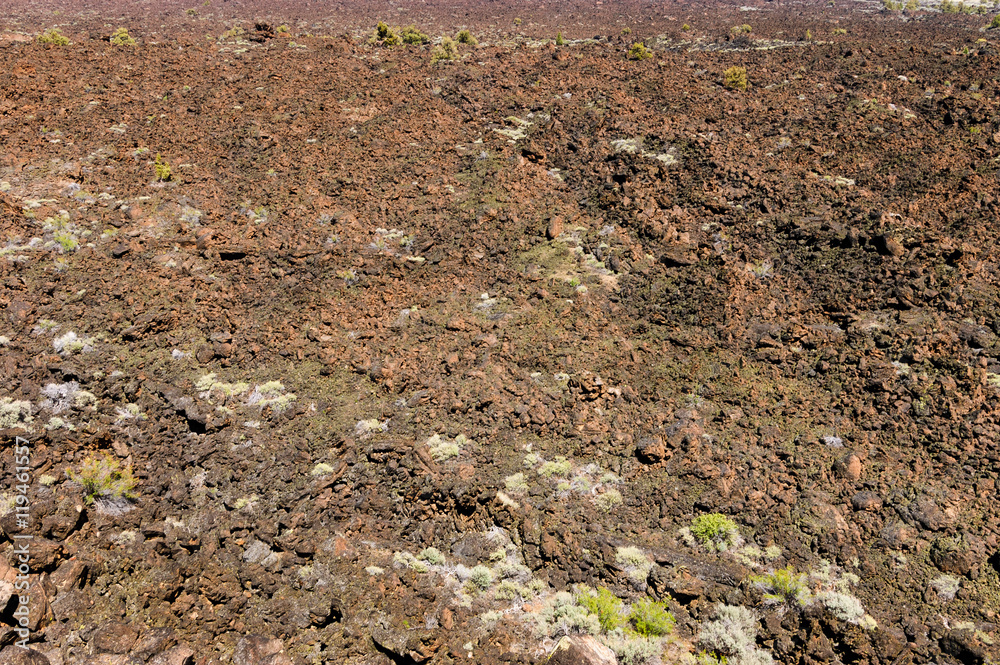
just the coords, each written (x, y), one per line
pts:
(253, 649)
(581, 650)
(114, 638)
(15, 655)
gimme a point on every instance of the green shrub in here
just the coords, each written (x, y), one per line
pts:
(606, 606)
(686, 28)
(410, 35)
(67, 241)
(715, 531)
(744, 29)
(431, 555)
(54, 37)
(162, 169)
(559, 39)
(559, 467)
(735, 78)
(626, 31)
(783, 586)
(995, 23)
(120, 37)
(639, 52)
(466, 37)
(385, 36)
(651, 618)
(839, 31)
(447, 51)
(103, 477)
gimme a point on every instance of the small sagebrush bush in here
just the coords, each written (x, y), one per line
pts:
(120, 37)
(715, 531)
(559, 39)
(104, 477)
(431, 555)
(54, 37)
(162, 169)
(639, 52)
(466, 37)
(782, 586)
(385, 36)
(606, 606)
(411, 35)
(447, 51)
(735, 78)
(651, 618)
(562, 616)
(481, 576)
(995, 23)
(733, 632)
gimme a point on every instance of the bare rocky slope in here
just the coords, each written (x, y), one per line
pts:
(409, 358)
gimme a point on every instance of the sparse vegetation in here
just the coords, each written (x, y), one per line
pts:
(411, 35)
(466, 37)
(639, 52)
(103, 477)
(559, 39)
(735, 78)
(715, 531)
(733, 634)
(650, 618)
(162, 169)
(14, 413)
(446, 51)
(53, 37)
(782, 586)
(120, 37)
(605, 605)
(385, 36)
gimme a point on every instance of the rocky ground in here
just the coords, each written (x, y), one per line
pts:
(401, 353)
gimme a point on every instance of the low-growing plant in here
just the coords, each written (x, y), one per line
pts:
(650, 618)
(744, 29)
(431, 555)
(558, 467)
(411, 35)
(635, 563)
(407, 560)
(559, 39)
(839, 31)
(446, 51)
(14, 413)
(120, 37)
(481, 577)
(735, 78)
(466, 37)
(639, 52)
(733, 633)
(54, 37)
(995, 23)
(67, 241)
(686, 28)
(715, 531)
(782, 586)
(562, 615)
(162, 169)
(103, 477)
(385, 36)
(605, 605)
